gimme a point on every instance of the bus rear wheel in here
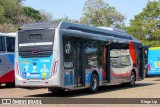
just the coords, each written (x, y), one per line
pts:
(94, 83)
(132, 79)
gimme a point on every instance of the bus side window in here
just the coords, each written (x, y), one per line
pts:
(2, 44)
(10, 43)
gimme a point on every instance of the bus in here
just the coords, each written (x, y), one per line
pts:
(153, 61)
(67, 56)
(146, 48)
(7, 48)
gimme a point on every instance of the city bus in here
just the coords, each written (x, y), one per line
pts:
(67, 56)
(7, 48)
(153, 61)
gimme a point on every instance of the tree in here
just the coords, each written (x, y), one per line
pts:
(45, 16)
(99, 13)
(144, 25)
(32, 13)
(9, 10)
(6, 28)
(67, 19)
(13, 15)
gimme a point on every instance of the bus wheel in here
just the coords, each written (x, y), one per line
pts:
(94, 83)
(132, 79)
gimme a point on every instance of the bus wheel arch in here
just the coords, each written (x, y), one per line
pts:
(133, 70)
(94, 82)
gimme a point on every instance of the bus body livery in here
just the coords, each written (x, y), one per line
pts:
(63, 55)
(153, 61)
(7, 47)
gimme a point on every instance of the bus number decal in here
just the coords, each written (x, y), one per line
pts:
(68, 64)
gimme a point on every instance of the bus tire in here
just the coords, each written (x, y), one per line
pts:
(94, 83)
(132, 79)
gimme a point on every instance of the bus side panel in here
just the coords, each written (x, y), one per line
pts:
(7, 68)
(121, 65)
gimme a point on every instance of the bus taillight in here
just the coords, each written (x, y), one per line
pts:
(17, 68)
(149, 67)
(54, 69)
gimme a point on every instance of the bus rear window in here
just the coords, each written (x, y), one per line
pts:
(35, 37)
(41, 40)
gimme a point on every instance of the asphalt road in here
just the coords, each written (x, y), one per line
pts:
(148, 88)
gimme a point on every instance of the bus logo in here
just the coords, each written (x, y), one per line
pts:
(68, 48)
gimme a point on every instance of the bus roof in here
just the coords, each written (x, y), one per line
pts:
(113, 32)
(8, 34)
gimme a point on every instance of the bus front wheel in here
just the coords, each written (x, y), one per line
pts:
(94, 83)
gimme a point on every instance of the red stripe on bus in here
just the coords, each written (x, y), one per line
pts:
(121, 75)
(8, 77)
(133, 54)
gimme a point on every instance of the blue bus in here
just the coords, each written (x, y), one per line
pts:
(154, 61)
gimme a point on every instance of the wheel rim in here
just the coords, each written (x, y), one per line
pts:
(94, 83)
(132, 78)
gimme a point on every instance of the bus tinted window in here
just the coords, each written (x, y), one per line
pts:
(10, 43)
(68, 48)
(2, 46)
(91, 53)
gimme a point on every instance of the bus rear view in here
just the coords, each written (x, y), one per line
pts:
(35, 59)
(154, 61)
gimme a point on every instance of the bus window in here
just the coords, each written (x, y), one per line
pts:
(2, 44)
(10, 43)
(91, 53)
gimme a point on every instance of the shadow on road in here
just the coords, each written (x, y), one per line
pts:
(6, 87)
(85, 92)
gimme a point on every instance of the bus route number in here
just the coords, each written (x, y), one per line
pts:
(68, 64)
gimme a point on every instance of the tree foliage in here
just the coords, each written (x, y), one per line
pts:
(144, 25)
(67, 19)
(13, 15)
(99, 13)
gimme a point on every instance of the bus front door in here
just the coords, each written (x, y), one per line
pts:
(79, 62)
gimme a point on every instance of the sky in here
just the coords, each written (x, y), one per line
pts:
(74, 8)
